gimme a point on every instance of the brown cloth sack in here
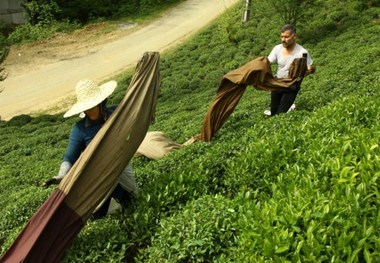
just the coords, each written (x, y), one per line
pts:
(52, 228)
(257, 73)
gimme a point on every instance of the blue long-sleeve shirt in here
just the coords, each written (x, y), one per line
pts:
(81, 135)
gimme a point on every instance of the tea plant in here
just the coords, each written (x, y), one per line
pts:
(299, 187)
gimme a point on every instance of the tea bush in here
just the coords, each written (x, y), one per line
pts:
(201, 232)
(299, 187)
(324, 205)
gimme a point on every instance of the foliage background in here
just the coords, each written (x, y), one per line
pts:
(299, 187)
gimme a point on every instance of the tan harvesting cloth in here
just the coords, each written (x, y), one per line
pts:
(257, 73)
(156, 145)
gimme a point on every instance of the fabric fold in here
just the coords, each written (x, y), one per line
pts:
(257, 73)
(56, 223)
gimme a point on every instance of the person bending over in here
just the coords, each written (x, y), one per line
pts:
(91, 105)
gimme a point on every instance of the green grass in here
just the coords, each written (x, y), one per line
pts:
(299, 187)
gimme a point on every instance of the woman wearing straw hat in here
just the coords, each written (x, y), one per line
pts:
(91, 101)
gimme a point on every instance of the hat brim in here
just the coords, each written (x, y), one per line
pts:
(106, 90)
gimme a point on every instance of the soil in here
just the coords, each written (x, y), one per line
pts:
(60, 47)
(63, 46)
(41, 76)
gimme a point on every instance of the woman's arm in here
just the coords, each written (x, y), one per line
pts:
(74, 149)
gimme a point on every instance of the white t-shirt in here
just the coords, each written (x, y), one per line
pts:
(284, 62)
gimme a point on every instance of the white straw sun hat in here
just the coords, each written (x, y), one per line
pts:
(89, 95)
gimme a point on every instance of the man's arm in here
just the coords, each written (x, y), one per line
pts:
(272, 57)
(310, 69)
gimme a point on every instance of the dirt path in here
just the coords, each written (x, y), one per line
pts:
(41, 78)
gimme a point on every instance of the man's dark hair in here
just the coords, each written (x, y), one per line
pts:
(290, 28)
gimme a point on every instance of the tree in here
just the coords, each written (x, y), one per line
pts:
(40, 12)
(290, 11)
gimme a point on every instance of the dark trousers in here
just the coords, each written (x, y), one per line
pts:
(282, 100)
(121, 195)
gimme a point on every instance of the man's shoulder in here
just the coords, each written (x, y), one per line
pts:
(277, 47)
(300, 47)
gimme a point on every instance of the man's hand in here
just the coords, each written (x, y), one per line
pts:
(50, 182)
(310, 70)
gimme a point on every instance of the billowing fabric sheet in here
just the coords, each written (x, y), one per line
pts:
(56, 223)
(257, 73)
(156, 145)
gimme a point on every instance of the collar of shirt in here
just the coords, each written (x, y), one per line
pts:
(101, 120)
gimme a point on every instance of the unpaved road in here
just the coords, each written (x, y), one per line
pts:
(45, 84)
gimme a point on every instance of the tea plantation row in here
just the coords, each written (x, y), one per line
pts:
(300, 187)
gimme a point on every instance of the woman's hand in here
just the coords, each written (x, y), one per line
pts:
(50, 182)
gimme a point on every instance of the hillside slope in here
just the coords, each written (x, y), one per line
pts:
(299, 187)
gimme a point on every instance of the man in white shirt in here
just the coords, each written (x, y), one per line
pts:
(283, 55)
